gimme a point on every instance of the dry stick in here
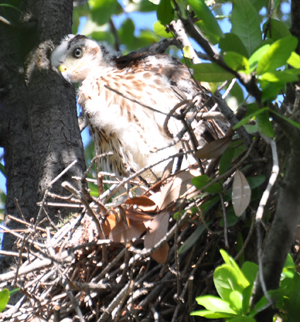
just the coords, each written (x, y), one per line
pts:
(79, 195)
(191, 276)
(16, 201)
(247, 239)
(232, 118)
(25, 223)
(225, 221)
(19, 259)
(60, 234)
(83, 181)
(184, 41)
(15, 254)
(68, 289)
(135, 101)
(190, 292)
(115, 189)
(125, 295)
(109, 266)
(228, 173)
(178, 277)
(106, 315)
(260, 211)
(49, 186)
(13, 232)
(37, 264)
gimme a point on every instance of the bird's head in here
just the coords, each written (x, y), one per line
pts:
(77, 56)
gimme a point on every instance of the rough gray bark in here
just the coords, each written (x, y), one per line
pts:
(38, 122)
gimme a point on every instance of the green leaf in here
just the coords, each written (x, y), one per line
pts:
(278, 77)
(245, 24)
(256, 181)
(231, 42)
(208, 23)
(205, 207)
(242, 319)
(297, 125)
(93, 189)
(226, 159)
(215, 304)
(294, 60)
(230, 261)
(2, 169)
(141, 5)
(102, 10)
(79, 11)
(277, 55)
(251, 128)
(232, 219)
(250, 270)
(160, 30)
(246, 119)
(203, 180)
(289, 269)
(247, 293)
(165, 12)
(192, 239)
(237, 94)
(226, 280)
(212, 315)
(236, 301)
(103, 36)
(236, 61)
(290, 302)
(14, 291)
(256, 56)
(4, 298)
(277, 29)
(259, 306)
(289, 264)
(259, 4)
(126, 32)
(271, 90)
(211, 73)
(264, 124)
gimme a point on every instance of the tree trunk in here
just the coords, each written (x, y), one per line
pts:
(38, 121)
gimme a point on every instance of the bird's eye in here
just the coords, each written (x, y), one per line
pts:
(77, 53)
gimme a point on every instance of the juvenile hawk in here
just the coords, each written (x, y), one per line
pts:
(115, 94)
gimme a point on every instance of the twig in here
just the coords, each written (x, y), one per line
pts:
(19, 208)
(19, 260)
(260, 211)
(78, 194)
(247, 239)
(272, 179)
(68, 289)
(62, 173)
(115, 33)
(226, 174)
(135, 101)
(37, 264)
(225, 221)
(183, 39)
(136, 174)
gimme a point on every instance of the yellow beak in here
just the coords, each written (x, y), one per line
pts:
(62, 68)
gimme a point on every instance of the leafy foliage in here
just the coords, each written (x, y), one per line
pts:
(234, 286)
